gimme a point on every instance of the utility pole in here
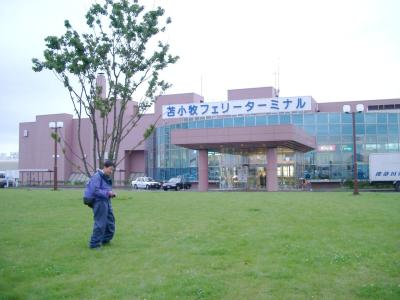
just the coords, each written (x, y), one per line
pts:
(55, 126)
(347, 110)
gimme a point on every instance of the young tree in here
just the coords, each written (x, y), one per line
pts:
(120, 44)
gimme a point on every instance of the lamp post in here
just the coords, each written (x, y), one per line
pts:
(55, 126)
(347, 110)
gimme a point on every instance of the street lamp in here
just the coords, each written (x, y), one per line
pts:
(55, 126)
(347, 110)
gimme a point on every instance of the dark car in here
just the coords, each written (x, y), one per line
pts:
(5, 182)
(176, 183)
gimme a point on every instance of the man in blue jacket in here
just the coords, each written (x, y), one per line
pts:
(100, 189)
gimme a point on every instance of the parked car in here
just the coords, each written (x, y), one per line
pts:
(3, 181)
(6, 181)
(176, 183)
(145, 183)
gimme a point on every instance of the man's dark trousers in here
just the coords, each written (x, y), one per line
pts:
(104, 223)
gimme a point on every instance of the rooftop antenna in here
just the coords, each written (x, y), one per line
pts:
(276, 73)
(201, 85)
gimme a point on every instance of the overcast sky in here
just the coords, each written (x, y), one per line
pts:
(334, 50)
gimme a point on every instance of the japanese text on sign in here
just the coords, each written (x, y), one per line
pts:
(387, 173)
(236, 107)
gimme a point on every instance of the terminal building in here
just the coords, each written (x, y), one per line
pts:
(256, 140)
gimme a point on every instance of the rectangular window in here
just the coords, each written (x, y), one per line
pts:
(393, 118)
(393, 139)
(360, 138)
(273, 119)
(370, 129)
(393, 129)
(382, 118)
(347, 138)
(347, 118)
(297, 119)
(284, 119)
(381, 129)
(218, 123)
(322, 118)
(347, 129)
(335, 129)
(370, 147)
(370, 118)
(239, 121)
(334, 139)
(334, 118)
(360, 129)
(370, 139)
(359, 118)
(392, 147)
(322, 139)
(200, 124)
(309, 119)
(250, 121)
(208, 123)
(322, 129)
(228, 122)
(261, 120)
(382, 139)
(380, 147)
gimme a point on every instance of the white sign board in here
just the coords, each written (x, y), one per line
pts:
(236, 107)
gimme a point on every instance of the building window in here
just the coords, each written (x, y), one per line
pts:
(228, 122)
(250, 121)
(238, 122)
(261, 120)
(383, 107)
(273, 119)
(392, 118)
(334, 118)
(218, 123)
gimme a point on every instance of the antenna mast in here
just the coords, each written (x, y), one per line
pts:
(277, 88)
(201, 85)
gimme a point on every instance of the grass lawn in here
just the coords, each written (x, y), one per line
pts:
(186, 245)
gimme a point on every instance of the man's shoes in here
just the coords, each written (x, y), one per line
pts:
(95, 248)
(106, 243)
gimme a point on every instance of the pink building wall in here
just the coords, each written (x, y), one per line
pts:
(36, 150)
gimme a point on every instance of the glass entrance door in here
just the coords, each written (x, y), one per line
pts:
(286, 176)
(287, 165)
(257, 179)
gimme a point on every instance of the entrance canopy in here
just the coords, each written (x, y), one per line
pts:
(241, 138)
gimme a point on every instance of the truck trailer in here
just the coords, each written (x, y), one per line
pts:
(385, 167)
